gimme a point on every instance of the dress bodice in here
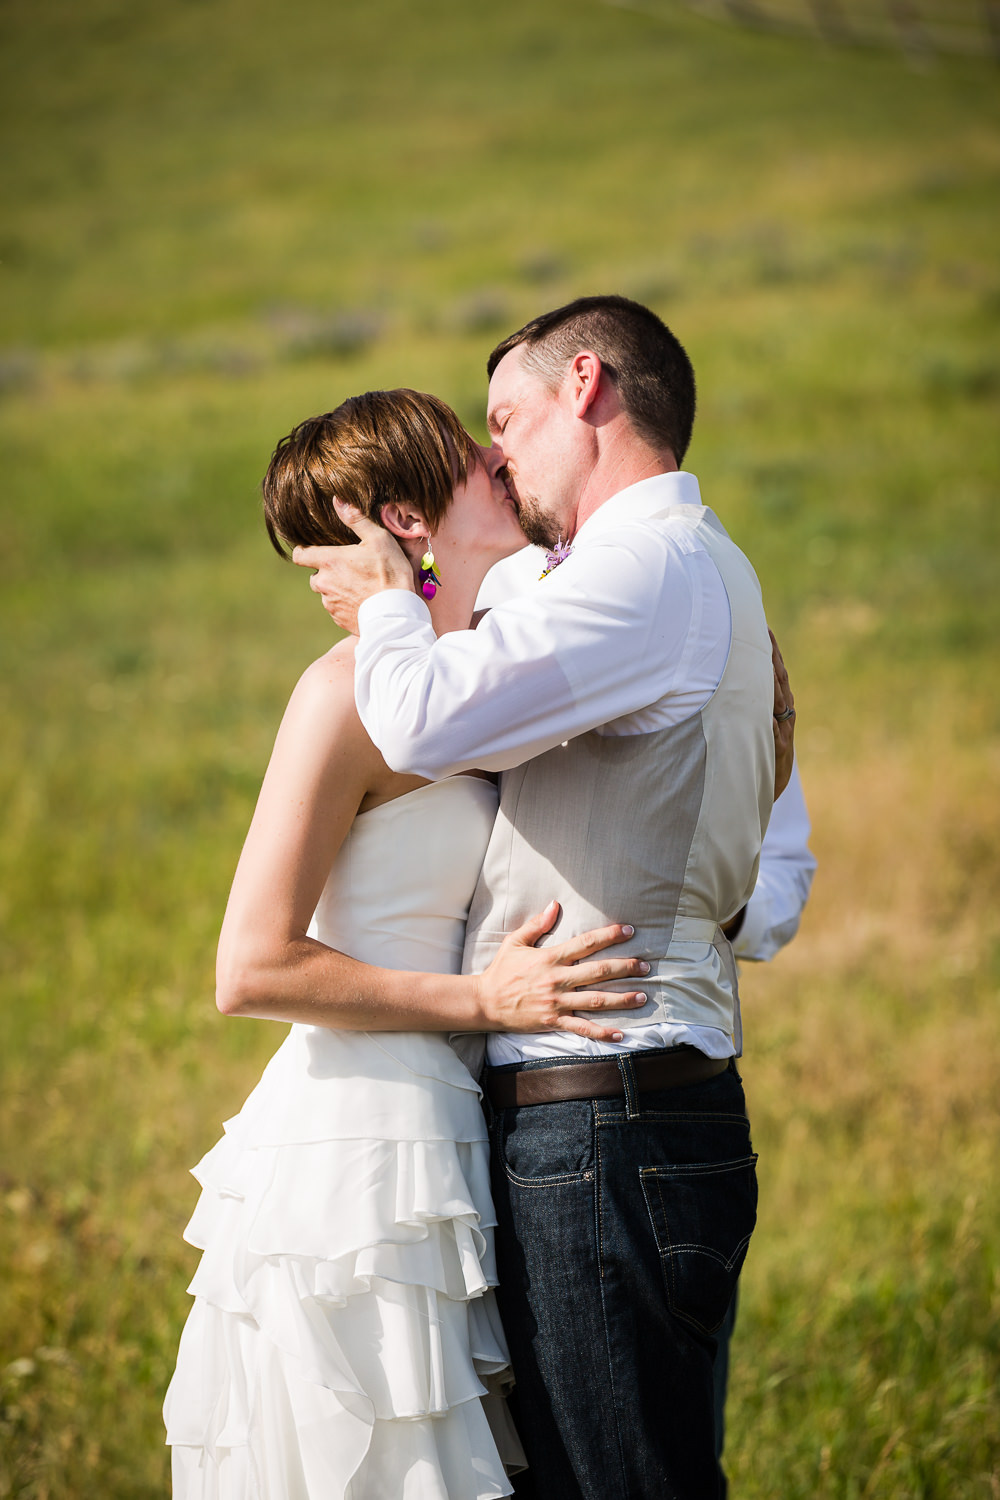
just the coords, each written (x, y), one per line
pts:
(399, 891)
(398, 897)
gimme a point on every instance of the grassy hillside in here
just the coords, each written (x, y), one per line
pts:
(220, 218)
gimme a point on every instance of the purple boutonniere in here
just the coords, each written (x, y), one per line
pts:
(558, 554)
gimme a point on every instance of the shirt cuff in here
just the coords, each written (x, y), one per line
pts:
(393, 604)
(751, 940)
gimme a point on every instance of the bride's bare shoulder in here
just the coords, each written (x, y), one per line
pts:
(325, 691)
(335, 665)
(323, 714)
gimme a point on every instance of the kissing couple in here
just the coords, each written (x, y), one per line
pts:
(521, 834)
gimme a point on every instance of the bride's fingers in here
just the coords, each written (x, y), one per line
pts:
(595, 1000)
(592, 1030)
(536, 927)
(590, 976)
(586, 943)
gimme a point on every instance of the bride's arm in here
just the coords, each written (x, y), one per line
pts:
(322, 767)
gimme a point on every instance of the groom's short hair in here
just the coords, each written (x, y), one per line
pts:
(648, 364)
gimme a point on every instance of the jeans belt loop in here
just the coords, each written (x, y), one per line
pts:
(624, 1061)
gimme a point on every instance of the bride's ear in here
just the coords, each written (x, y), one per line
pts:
(403, 521)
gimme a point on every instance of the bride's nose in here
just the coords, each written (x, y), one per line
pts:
(494, 460)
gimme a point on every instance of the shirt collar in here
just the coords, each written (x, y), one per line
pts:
(639, 501)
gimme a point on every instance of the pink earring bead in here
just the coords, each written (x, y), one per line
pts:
(429, 588)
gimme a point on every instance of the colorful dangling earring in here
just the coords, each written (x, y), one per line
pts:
(430, 578)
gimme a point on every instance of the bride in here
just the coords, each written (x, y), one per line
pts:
(344, 1343)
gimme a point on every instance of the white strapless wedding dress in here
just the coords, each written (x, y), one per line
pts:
(344, 1343)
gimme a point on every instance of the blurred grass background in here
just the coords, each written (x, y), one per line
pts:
(220, 218)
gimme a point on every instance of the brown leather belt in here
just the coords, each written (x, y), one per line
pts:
(601, 1078)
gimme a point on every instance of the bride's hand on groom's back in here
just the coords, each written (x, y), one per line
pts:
(784, 720)
(533, 989)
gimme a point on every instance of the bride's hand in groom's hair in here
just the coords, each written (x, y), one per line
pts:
(783, 721)
(346, 576)
(540, 989)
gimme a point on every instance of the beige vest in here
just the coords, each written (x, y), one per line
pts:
(659, 830)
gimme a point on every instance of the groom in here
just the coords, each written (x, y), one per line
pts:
(628, 702)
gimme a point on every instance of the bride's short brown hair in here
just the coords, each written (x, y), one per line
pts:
(384, 445)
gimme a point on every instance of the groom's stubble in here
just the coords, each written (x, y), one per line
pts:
(538, 525)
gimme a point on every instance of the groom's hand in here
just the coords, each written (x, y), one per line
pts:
(346, 576)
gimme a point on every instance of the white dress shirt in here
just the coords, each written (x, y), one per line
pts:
(624, 636)
(787, 864)
(630, 634)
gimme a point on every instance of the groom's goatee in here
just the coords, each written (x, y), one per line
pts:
(538, 526)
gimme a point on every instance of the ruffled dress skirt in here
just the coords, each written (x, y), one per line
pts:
(344, 1342)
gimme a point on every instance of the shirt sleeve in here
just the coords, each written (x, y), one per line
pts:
(786, 870)
(613, 629)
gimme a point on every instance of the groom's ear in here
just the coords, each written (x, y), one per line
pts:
(403, 521)
(584, 377)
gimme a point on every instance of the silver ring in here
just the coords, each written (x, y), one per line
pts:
(789, 713)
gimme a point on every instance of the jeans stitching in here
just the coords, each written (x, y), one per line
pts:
(698, 1169)
(632, 1108)
(661, 1116)
(598, 1201)
(727, 1261)
(667, 1255)
(532, 1182)
(666, 1263)
(604, 1316)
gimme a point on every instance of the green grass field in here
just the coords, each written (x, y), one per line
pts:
(220, 218)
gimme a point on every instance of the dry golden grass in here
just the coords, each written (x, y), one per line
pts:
(868, 1346)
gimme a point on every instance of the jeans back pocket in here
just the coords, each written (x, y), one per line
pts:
(702, 1216)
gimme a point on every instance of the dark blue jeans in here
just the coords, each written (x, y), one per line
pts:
(623, 1224)
(723, 1339)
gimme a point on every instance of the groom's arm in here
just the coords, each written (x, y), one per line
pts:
(616, 628)
(771, 917)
